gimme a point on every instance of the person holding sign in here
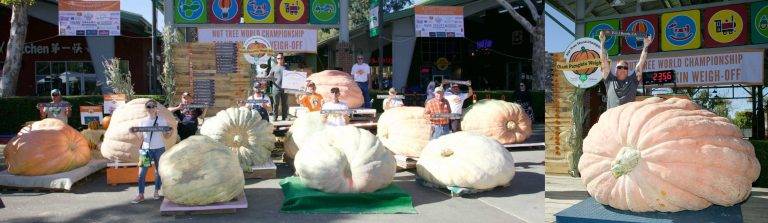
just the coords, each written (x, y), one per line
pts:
(313, 101)
(435, 107)
(392, 101)
(57, 108)
(621, 89)
(456, 100)
(362, 72)
(331, 118)
(151, 149)
(281, 100)
(187, 116)
(259, 102)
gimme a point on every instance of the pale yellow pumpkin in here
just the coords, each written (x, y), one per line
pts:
(467, 160)
(122, 145)
(666, 155)
(48, 146)
(94, 134)
(350, 92)
(243, 131)
(301, 129)
(404, 130)
(345, 159)
(504, 121)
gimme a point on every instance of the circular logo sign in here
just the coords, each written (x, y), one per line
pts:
(583, 59)
(292, 10)
(324, 10)
(258, 9)
(190, 9)
(225, 10)
(638, 26)
(595, 33)
(725, 26)
(442, 63)
(256, 47)
(680, 30)
(761, 21)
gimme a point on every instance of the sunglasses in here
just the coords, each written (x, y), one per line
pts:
(150, 107)
(622, 68)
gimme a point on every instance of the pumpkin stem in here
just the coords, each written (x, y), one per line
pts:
(511, 125)
(446, 152)
(236, 139)
(627, 159)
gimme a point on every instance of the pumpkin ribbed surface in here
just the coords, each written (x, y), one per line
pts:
(243, 131)
(504, 121)
(350, 92)
(468, 160)
(46, 147)
(666, 155)
(301, 129)
(200, 171)
(345, 159)
(404, 130)
(122, 145)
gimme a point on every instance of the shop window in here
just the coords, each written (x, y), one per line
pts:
(71, 77)
(43, 68)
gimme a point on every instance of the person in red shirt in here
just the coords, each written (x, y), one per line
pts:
(438, 106)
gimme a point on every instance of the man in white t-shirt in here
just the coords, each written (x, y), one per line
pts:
(362, 73)
(456, 101)
(61, 111)
(152, 148)
(392, 101)
(335, 118)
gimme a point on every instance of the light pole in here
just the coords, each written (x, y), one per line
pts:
(153, 55)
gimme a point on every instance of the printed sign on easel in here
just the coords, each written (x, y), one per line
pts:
(112, 102)
(90, 113)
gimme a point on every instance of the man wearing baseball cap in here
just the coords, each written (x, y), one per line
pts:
(59, 108)
(438, 106)
(261, 108)
(312, 101)
(456, 101)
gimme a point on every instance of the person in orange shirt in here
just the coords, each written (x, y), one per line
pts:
(313, 101)
(438, 106)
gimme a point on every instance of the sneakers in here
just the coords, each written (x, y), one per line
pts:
(138, 199)
(156, 195)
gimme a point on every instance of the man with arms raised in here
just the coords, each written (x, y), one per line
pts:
(620, 88)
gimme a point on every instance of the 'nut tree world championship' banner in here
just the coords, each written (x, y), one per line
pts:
(89, 17)
(680, 30)
(710, 69)
(190, 11)
(648, 24)
(725, 25)
(324, 11)
(759, 22)
(259, 11)
(292, 11)
(611, 42)
(224, 11)
(280, 40)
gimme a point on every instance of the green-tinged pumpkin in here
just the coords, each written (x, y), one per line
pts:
(345, 159)
(200, 171)
(504, 121)
(243, 131)
(467, 160)
(404, 130)
(300, 131)
(46, 147)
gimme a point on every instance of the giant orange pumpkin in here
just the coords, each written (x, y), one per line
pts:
(666, 155)
(350, 92)
(122, 145)
(504, 121)
(584, 54)
(404, 130)
(46, 147)
(105, 121)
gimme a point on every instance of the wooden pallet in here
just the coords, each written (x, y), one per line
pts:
(9, 189)
(127, 173)
(267, 170)
(168, 208)
(405, 163)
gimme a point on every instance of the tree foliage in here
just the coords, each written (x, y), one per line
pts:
(743, 119)
(712, 103)
(18, 2)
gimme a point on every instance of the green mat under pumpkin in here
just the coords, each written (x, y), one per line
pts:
(303, 200)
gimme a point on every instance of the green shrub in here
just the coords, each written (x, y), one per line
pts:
(761, 151)
(18, 110)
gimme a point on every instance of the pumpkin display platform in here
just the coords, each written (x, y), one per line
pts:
(127, 173)
(267, 170)
(591, 211)
(405, 162)
(300, 199)
(169, 208)
(59, 181)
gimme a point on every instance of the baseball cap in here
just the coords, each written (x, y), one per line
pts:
(55, 91)
(439, 89)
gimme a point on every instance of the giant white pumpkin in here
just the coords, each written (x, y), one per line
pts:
(467, 160)
(243, 131)
(122, 145)
(300, 130)
(504, 121)
(404, 130)
(200, 171)
(345, 159)
(666, 155)
(350, 92)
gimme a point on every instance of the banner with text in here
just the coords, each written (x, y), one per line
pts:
(711, 69)
(281, 40)
(89, 18)
(439, 21)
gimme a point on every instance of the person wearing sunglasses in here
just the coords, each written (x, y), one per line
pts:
(61, 110)
(280, 100)
(187, 116)
(362, 72)
(620, 88)
(152, 147)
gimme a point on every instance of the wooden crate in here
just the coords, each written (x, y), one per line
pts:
(265, 171)
(558, 122)
(127, 173)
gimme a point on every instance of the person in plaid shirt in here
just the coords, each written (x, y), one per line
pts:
(438, 105)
